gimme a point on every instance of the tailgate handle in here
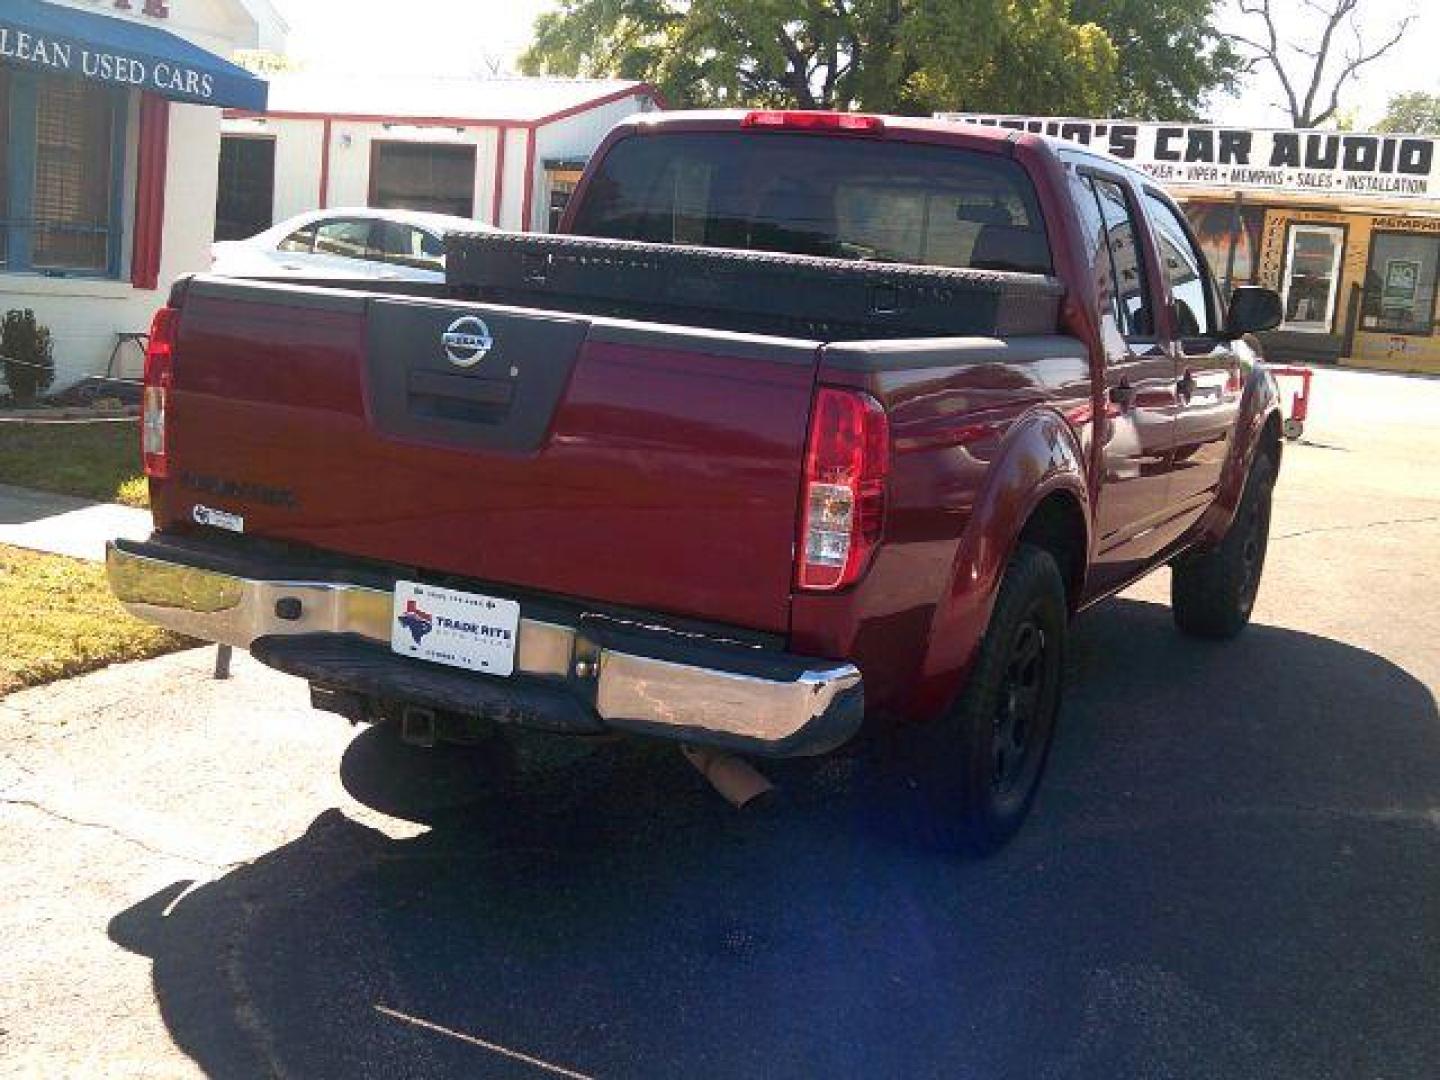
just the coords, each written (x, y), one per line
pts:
(461, 388)
(461, 398)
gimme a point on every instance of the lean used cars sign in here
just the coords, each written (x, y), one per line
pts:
(1251, 159)
(59, 40)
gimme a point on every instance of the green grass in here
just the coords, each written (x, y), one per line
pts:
(95, 459)
(61, 620)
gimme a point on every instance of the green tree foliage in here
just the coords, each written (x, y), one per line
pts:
(1171, 57)
(1416, 113)
(1076, 57)
(1021, 57)
(26, 355)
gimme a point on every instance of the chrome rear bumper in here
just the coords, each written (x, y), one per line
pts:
(738, 698)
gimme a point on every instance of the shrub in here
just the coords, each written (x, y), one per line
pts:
(27, 355)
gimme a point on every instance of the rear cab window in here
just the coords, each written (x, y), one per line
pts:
(870, 200)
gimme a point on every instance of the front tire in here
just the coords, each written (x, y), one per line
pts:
(1212, 593)
(986, 756)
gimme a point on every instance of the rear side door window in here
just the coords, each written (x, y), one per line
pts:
(1133, 307)
(1097, 248)
(404, 245)
(1185, 269)
(347, 238)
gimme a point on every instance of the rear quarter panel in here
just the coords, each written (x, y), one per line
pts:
(981, 431)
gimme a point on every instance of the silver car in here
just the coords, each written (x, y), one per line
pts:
(353, 242)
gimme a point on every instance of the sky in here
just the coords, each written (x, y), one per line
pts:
(465, 37)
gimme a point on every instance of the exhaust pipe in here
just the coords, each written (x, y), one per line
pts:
(738, 782)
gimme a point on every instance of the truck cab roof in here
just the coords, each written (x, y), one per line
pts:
(914, 128)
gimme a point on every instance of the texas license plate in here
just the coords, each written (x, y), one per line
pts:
(446, 626)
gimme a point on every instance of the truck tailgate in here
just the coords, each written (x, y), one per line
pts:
(632, 464)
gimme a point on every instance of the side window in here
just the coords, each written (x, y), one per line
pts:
(303, 240)
(432, 248)
(1184, 268)
(1097, 251)
(347, 237)
(404, 245)
(418, 252)
(1137, 319)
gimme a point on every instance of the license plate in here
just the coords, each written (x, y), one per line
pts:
(446, 626)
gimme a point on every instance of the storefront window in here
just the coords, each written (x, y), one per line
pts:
(1400, 283)
(1312, 274)
(71, 203)
(423, 176)
(58, 183)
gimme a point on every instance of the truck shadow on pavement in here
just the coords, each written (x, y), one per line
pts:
(1231, 871)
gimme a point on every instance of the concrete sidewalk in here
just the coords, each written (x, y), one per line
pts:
(65, 525)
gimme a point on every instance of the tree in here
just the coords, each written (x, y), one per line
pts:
(1299, 64)
(26, 355)
(1171, 55)
(1017, 56)
(1415, 113)
(911, 56)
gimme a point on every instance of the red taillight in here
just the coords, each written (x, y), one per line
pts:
(159, 374)
(799, 120)
(843, 511)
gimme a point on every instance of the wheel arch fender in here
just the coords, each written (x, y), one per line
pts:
(1257, 430)
(1037, 476)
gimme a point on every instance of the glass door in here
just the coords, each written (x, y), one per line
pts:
(1312, 277)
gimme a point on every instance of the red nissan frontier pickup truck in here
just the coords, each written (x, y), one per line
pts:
(803, 422)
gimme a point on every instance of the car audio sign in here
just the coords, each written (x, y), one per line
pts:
(1251, 159)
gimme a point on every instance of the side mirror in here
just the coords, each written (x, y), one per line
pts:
(1253, 309)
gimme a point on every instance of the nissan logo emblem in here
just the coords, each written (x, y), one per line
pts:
(466, 341)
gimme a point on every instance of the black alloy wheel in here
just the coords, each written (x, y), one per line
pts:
(1212, 592)
(978, 768)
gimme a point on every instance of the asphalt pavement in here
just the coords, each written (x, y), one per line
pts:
(1233, 868)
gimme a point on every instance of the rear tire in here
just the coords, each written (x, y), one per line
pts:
(984, 758)
(1212, 593)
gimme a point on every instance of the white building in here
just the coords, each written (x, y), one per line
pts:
(498, 150)
(109, 138)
